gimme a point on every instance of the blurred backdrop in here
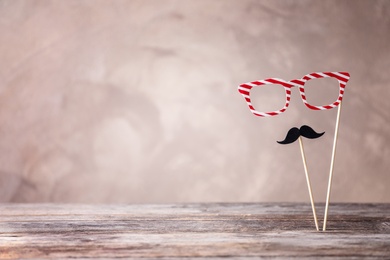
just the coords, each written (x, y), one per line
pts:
(136, 101)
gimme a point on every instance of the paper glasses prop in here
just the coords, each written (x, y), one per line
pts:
(342, 78)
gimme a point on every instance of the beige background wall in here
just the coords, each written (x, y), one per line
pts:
(136, 101)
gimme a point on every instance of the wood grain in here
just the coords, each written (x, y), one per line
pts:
(192, 230)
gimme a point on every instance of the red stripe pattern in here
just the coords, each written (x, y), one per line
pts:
(341, 77)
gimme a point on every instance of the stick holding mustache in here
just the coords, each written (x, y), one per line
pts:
(293, 135)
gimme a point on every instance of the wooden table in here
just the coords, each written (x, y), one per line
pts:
(214, 231)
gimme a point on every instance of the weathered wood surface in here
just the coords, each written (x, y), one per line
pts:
(192, 230)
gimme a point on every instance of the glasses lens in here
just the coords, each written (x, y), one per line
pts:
(322, 91)
(268, 98)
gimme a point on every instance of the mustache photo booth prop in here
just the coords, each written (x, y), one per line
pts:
(294, 133)
(305, 131)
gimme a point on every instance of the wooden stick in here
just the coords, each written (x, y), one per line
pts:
(308, 183)
(336, 131)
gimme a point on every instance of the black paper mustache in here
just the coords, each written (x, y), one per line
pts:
(294, 133)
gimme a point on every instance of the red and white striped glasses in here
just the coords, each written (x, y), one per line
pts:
(341, 77)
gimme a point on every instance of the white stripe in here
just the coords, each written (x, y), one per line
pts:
(258, 113)
(322, 74)
(244, 89)
(265, 82)
(276, 79)
(341, 75)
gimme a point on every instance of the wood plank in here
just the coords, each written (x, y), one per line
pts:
(241, 230)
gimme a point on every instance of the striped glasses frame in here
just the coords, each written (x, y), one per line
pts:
(341, 77)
